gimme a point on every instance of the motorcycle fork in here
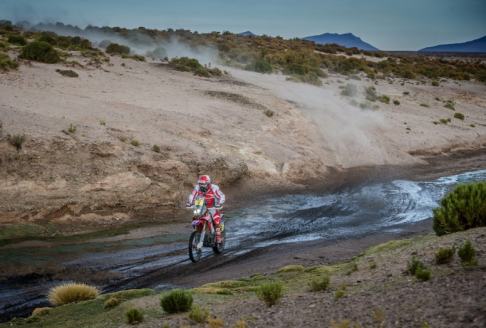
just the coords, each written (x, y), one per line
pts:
(201, 239)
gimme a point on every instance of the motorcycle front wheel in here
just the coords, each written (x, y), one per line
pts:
(194, 253)
(218, 248)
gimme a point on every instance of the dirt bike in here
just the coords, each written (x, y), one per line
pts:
(204, 234)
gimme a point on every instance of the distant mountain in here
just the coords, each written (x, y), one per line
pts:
(348, 40)
(247, 33)
(478, 45)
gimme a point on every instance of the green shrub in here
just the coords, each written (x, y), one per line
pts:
(435, 83)
(444, 255)
(370, 93)
(117, 49)
(40, 51)
(467, 253)
(340, 292)
(406, 93)
(349, 90)
(42, 311)
(186, 64)
(423, 274)
(17, 140)
(319, 284)
(67, 72)
(111, 302)
(424, 105)
(414, 265)
(461, 209)
(17, 39)
(48, 37)
(72, 293)
(156, 148)
(270, 293)
(134, 316)
(268, 112)
(396, 102)
(261, 66)
(384, 99)
(72, 128)
(450, 105)
(135, 142)
(199, 314)
(177, 301)
(459, 116)
(445, 120)
(6, 63)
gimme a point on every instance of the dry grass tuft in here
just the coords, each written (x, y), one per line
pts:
(72, 293)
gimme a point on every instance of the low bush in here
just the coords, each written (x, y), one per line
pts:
(215, 323)
(384, 99)
(396, 102)
(370, 93)
(467, 253)
(291, 268)
(445, 120)
(135, 142)
(418, 269)
(319, 284)
(67, 72)
(117, 49)
(414, 265)
(435, 83)
(42, 311)
(186, 64)
(6, 63)
(17, 39)
(240, 324)
(17, 140)
(260, 66)
(199, 314)
(177, 301)
(450, 104)
(341, 292)
(459, 116)
(349, 90)
(72, 128)
(134, 316)
(40, 51)
(423, 274)
(424, 105)
(270, 293)
(156, 148)
(111, 302)
(72, 293)
(444, 255)
(461, 209)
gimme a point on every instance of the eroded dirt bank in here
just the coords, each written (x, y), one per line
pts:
(89, 159)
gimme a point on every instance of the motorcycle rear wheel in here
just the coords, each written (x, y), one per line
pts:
(194, 253)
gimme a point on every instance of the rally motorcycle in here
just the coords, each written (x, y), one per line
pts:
(204, 234)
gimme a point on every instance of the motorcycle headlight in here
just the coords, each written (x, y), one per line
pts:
(196, 211)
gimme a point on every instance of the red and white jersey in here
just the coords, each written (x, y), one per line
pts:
(214, 196)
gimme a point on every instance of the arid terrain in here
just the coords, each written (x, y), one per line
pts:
(89, 157)
(101, 142)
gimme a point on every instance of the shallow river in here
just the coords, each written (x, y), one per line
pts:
(351, 212)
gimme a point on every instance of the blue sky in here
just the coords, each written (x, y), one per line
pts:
(386, 24)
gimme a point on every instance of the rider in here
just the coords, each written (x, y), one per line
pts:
(214, 199)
